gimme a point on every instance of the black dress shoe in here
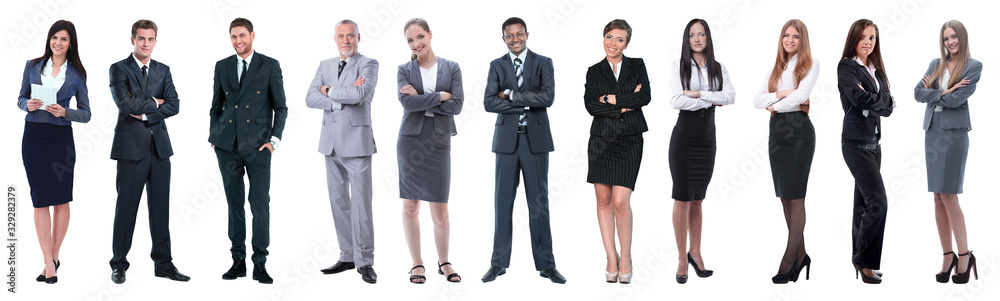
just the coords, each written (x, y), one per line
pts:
(172, 274)
(260, 274)
(118, 276)
(239, 269)
(367, 273)
(493, 273)
(338, 267)
(553, 275)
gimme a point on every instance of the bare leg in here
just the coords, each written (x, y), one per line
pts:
(442, 230)
(944, 230)
(411, 230)
(60, 225)
(43, 228)
(694, 228)
(606, 221)
(957, 219)
(680, 220)
(621, 197)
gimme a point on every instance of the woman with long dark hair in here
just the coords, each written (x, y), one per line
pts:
(698, 84)
(865, 97)
(47, 147)
(791, 139)
(946, 88)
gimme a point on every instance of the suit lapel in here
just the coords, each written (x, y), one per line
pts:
(440, 84)
(342, 78)
(69, 79)
(871, 81)
(529, 64)
(133, 68)
(252, 69)
(234, 78)
(608, 74)
(508, 70)
(417, 82)
(626, 68)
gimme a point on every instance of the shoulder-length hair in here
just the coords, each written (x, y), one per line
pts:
(875, 58)
(72, 54)
(961, 60)
(714, 69)
(805, 59)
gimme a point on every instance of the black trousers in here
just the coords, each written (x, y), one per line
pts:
(535, 169)
(256, 165)
(870, 203)
(153, 173)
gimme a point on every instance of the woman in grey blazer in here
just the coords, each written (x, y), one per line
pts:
(946, 88)
(430, 90)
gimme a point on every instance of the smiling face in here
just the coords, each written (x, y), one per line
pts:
(950, 41)
(144, 41)
(615, 42)
(59, 43)
(242, 40)
(790, 40)
(347, 39)
(515, 36)
(697, 37)
(418, 39)
(867, 43)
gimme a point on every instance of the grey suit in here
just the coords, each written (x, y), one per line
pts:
(946, 126)
(347, 142)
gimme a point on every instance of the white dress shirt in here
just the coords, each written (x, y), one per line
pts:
(699, 82)
(792, 101)
(616, 68)
(56, 82)
(429, 77)
(239, 64)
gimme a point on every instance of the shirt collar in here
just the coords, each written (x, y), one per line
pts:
(523, 56)
(248, 59)
(139, 63)
(870, 66)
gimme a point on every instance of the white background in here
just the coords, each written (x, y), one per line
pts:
(744, 230)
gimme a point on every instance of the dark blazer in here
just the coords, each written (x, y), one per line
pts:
(608, 119)
(254, 111)
(449, 79)
(75, 85)
(955, 112)
(857, 127)
(537, 91)
(134, 94)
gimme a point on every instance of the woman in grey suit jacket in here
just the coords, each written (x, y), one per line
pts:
(946, 88)
(430, 90)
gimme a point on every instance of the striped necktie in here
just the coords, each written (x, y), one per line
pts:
(518, 73)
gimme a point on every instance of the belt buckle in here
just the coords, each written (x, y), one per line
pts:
(521, 129)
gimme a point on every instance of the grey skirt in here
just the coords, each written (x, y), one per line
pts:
(424, 164)
(946, 151)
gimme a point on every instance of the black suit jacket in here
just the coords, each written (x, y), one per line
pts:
(249, 114)
(858, 127)
(135, 94)
(608, 119)
(537, 91)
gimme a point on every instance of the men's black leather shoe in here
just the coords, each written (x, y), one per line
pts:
(553, 275)
(173, 274)
(338, 267)
(118, 276)
(260, 274)
(239, 269)
(367, 274)
(493, 273)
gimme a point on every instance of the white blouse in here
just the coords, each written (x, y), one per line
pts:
(53, 82)
(792, 101)
(699, 82)
(429, 77)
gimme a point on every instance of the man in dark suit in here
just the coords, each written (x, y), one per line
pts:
(520, 87)
(143, 90)
(247, 117)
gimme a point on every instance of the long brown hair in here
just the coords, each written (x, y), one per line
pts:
(72, 54)
(875, 58)
(419, 22)
(781, 62)
(962, 59)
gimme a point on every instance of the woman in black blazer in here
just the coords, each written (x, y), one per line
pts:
(47, 148)
(864, 95)
(616, 90)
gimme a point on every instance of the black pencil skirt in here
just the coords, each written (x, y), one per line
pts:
(692, 154)
(791, 144)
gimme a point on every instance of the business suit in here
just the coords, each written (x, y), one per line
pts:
(423, 150)
(863, 155)
(142, 149)
(947, 125)
(615, 147)
(522, 150)
(243, 117)
(347, 142)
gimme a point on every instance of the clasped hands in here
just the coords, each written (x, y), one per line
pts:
(357, 83)
(927, 84)
(614, 100)
(54, 109)
(804, 106)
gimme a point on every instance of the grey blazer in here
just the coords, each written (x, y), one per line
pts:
(449, 79)
(347, 110)
(955, 112)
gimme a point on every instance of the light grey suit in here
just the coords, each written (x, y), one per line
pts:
(347, 142)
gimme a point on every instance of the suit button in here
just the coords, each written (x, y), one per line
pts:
(248, 106)
(258, 92)
(227, 92)
(230, 121)
(236, 106)
(248, 120)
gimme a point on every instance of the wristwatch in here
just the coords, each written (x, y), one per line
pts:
(605, 99)
(506, 94)
(327, 90)
(274, 144)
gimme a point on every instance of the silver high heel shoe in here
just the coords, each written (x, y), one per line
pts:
(611, 277)
(624, 278)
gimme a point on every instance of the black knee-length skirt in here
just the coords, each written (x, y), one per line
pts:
(791, 144)
(614, 160)
(692, 154)
(49, 157)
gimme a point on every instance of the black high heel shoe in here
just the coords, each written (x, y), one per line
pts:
(784, 278)
(701, 273)
(960, 278)
(806, 262)
(874, 279)
(41, 277)
(943, 277)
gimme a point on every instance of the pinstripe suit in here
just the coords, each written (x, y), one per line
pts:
(615, 148)
(243, 118)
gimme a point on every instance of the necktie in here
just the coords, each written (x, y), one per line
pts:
(145, 77)
(340, 68)
(244, 75)
(523, 119)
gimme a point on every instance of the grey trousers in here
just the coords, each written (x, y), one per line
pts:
(349, 181)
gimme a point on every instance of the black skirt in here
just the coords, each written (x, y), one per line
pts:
(692, 153)
(791, 145)
(49, 156)
(614, 160)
